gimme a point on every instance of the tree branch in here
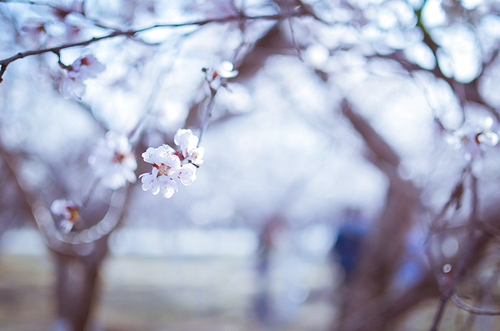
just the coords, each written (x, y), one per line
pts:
(130, 33)
(473, 310)
(374, 141)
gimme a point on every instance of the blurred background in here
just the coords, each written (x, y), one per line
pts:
(343, 165)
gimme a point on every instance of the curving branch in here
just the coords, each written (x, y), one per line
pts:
(473, 310)
(57, 241)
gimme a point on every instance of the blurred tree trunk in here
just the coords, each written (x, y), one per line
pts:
(78, 257)
(369, 303)
(385, 243)
(77, 286)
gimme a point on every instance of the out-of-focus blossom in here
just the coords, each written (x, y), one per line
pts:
(317, 55)
(188, 144)
(169, 164)
(34, 33)
(218, 73)
(226, 70)
(114, 161)
(88, 66)
(83, 68)
(73, 84)
(212, 9)
(67, 8)
(68, 210)
(475, 138)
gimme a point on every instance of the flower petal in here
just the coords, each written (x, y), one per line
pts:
(187, 174)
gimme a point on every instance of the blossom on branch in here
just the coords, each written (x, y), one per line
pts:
(475, 138)
(188, 144)
(170, 165)
(34, 33)
(68, 210)
(113, 161)
(83, 68)
(217, 75)
(67, 8)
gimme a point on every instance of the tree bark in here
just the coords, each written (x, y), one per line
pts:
(77, 285)
(382, 249)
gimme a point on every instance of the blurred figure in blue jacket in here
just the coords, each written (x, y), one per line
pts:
(349, 239)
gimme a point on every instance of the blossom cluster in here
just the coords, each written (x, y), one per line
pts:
(83, 68)
(169, 164)
(113, 161)
(69, 212)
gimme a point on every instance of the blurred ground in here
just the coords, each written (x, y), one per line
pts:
(194, 294)
(145, 293)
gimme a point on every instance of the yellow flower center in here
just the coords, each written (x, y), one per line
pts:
(74, 214)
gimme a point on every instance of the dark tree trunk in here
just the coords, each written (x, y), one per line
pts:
(77, 285)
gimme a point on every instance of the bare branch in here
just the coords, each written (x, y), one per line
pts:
(56, 240)
(208, 114)
(372, 138)
(290, 25)
(131, 33)
(473, 310)
(470, 245)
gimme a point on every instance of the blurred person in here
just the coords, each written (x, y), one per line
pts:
(267, 243)
(350, 236)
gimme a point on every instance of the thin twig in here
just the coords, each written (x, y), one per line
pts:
(208, 115)
(153, 96)
(473, 310)
(485, 288)
(488, 228)
(130, 33)
(38, 3)
(448, 290)
(294, 41)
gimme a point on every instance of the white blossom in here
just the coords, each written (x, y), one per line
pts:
(317, 55)
(114, 161)
(83, 68)
(88, 66)
(187, 174)
(170, 165)
(166, 166)
(68, 210)
(73, 84)
(195, 155)
(474, 138)
(35, 33)
(226, 70)
(212, 9)
(188, 145)
(219, 72)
